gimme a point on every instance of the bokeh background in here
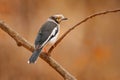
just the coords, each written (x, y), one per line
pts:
(89, 52)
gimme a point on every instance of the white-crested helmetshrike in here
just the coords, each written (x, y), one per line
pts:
(47, 33)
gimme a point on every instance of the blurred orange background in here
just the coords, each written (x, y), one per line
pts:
(90, 52)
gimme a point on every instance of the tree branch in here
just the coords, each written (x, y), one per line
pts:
(23, 42)
(79, 23)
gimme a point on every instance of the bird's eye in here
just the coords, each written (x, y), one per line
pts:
(57, 19)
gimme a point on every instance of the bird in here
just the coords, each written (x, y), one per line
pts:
(48, 33)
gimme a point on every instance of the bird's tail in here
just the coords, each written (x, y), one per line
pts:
(34, 56)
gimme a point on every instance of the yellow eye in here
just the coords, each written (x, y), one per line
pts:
(58, 18)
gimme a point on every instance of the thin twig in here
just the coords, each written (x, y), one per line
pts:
(76, 25)
(23, 42)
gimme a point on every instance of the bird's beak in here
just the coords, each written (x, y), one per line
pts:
(65, 19)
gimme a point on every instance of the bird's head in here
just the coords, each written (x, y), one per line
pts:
(58, 18)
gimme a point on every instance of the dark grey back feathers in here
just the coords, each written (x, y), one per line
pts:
(45, 32)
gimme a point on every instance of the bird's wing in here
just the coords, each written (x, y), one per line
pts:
(47, 31)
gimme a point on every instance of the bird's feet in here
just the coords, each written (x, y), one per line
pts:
(45, 51)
